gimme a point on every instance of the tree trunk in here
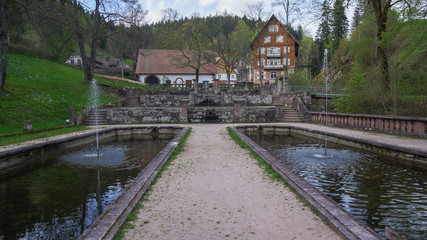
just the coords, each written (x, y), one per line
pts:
(381, 20)
(80, 40)
(4, 38)
(94, 42)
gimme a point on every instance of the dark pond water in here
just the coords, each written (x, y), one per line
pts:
(59, 197)
(379, 191)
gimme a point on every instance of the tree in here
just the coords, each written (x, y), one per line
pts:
(4, 39)
(323, 35)
(240, 41)
(381, 10)
(255, 11)
(194, 52)
(339, 23)
(290, 8)
(226, 47)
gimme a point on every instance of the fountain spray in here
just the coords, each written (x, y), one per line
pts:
(94, 96)
(325, 65)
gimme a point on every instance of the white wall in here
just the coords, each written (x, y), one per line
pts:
(174, 77)
(223, 76)
(76, 60)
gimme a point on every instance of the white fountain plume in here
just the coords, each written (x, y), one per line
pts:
(325, 65)
(94, 98)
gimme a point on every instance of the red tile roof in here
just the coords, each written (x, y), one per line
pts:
(159, 61)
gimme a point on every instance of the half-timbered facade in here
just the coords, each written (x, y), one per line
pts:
(271, 52)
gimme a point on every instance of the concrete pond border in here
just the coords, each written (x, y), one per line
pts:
(109, 222)
(345, 224)
(106, 225)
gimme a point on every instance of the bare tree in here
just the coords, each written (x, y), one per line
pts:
(169, 15)
(194, 52)
(255, 11)
(290, 7)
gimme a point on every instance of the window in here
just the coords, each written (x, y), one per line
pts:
(279, 38)
(274, 49)
(273, 75)
(262, 61)
(79, 61)
(273, 28)
(262, 50)
(286, 48)
(286, 61)
(262, 75)
(72, 61)
(273, 61)
(267, 39)
(233, 76)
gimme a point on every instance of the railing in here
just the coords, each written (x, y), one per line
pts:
(271, 54)
(397, 124)
(298, 103)
(171, 86)
(334, 89)
(277, 66)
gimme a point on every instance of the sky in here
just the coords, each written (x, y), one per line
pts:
(186, 8)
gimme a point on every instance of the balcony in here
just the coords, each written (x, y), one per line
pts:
(277, 66)
(276, 55)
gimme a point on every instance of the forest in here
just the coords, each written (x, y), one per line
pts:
(376, 57)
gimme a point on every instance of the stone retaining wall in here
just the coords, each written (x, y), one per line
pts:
(238, 113)
(393, 124)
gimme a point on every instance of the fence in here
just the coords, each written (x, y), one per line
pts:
(333, 89)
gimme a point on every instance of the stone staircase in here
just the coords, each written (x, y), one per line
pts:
(133, 101)
(96, 116)
(291, 115)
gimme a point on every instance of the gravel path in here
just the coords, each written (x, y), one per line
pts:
(215, 190)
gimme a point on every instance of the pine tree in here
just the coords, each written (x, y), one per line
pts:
(339, 23)
(323, 32)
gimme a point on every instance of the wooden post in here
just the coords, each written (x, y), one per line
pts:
(237, 113)
(28, 125)
(71, 116)
(184, 110)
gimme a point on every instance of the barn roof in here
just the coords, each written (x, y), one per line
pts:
(161, 61)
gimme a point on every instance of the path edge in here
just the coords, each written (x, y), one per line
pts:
(342, 222)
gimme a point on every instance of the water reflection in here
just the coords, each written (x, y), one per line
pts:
(377, 190)
(63, 197)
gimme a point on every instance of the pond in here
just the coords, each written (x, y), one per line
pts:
(379, 191)
(59, 197)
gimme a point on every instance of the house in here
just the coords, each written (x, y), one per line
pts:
(270, 44)
(156, 66)
(222, 73)
(107, 65)
(74, 60)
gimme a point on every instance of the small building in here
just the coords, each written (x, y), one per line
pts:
(74, 60)
(222, 73)
(270, 44)
(158, 66)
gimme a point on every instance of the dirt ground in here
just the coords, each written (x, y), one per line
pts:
(215, 190)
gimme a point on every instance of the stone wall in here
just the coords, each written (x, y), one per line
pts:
(129, 115)
(210, 114)
(149, 100)
(259, 114)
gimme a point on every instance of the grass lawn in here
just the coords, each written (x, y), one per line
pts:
(33, 136)
(42, 91)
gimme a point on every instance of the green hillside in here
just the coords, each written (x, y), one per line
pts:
(42, 91)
